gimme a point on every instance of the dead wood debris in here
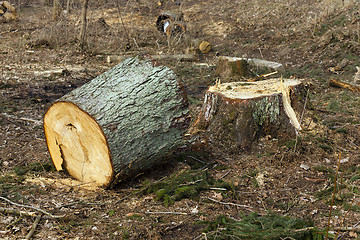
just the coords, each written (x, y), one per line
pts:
(17, 212)
(33, 227)
(340, 84)
(31, 207)
(232, 204)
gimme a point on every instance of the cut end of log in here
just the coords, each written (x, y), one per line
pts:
(77, 143)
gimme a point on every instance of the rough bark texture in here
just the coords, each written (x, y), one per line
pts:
(141, 110)
(237, 114)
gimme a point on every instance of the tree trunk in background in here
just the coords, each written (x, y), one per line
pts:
(123, 122)
(56, 10)
(68, 3)
(83, 24)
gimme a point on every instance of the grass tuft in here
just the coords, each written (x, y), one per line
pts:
(254, 226)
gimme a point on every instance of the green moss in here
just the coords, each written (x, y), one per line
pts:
(231, 118)
(335, 106)
(355, 208)
(342, 130)
(254, 226)
(168, 200)
(187, 184)
(354, 178)
(34, 167)
(325, 147)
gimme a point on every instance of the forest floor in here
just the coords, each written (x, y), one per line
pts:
(315, 40)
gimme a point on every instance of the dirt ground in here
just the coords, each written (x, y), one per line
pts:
(40, 61)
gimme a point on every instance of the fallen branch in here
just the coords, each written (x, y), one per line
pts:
(80, 202)
(177, 213)
(8, 118)
(337, 83)
(33, 228)
(17, 212)
(177, 57)
(343, 229)
(35, 208)
(232, 204)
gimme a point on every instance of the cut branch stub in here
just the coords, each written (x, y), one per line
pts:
(119, 124)
(235, 115)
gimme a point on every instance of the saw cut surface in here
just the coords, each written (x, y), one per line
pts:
(248, 90)
(77, 143)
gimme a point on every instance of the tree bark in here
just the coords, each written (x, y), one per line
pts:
(83, 24)
(235, 115)
(56, 10)
(121, 123)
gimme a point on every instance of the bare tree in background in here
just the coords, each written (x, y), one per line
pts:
(83, 24)
(56, 10)
(68, 3)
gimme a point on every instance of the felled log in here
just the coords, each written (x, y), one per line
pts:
(235, 115)
(119, 124)
(340, 84)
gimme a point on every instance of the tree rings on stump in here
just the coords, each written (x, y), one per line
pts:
(123, 122)
(234, 115)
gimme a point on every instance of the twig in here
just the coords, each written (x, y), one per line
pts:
(176, 213)
(16, 211)
(356, 224)
(232, 204)
(33, 228)
(35, 208)
(80, 202)
(216, 188)
(123, 25)
(123, 198)
(190, 183)
(194, 158)
(348, 229)
(342, 222)
(332, 200)
(353, 228)
(225, 174)
(37, 122)
(7, 118)
(136, 44)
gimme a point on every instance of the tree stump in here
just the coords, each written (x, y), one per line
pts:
(119, 124)
(231, 69)
(234, 115)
